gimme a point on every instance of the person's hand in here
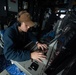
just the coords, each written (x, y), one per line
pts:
(42, 46)
(38, 56)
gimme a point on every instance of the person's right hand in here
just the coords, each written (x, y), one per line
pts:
(38, 56)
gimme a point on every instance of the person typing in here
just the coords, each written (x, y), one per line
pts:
(17, 36)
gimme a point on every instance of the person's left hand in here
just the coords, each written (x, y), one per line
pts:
(42, 46)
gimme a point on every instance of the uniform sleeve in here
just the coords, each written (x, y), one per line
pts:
(9, 49)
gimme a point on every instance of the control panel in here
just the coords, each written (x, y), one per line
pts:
(33, 67)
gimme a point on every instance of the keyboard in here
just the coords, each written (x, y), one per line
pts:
(34, 67)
